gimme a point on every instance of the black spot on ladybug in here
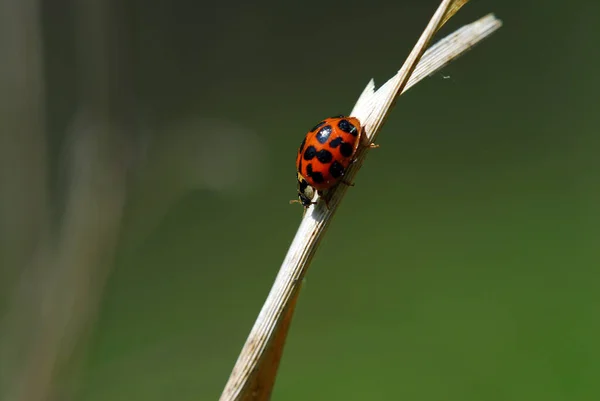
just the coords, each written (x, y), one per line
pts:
(317, 177)
(336, 142)
(324, 156)
(345, 126)
(336, 169)
(317, 126)
(345, 149)
(302, 145)
(323, 134)
(310, 152)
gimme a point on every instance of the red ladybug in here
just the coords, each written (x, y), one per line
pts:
(325, 154)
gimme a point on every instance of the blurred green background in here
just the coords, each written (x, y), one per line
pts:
(463, 265)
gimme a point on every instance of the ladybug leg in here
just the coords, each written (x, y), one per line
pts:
(297, 201)
(370, 145)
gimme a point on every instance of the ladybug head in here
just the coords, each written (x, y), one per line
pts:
(306, 193)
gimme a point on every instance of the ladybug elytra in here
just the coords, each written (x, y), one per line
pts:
(324, 155)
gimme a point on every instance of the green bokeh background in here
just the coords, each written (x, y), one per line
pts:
(462, 266)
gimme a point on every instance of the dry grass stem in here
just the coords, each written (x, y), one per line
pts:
(254, 373)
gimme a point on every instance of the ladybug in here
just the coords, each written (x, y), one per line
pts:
(324, 155)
